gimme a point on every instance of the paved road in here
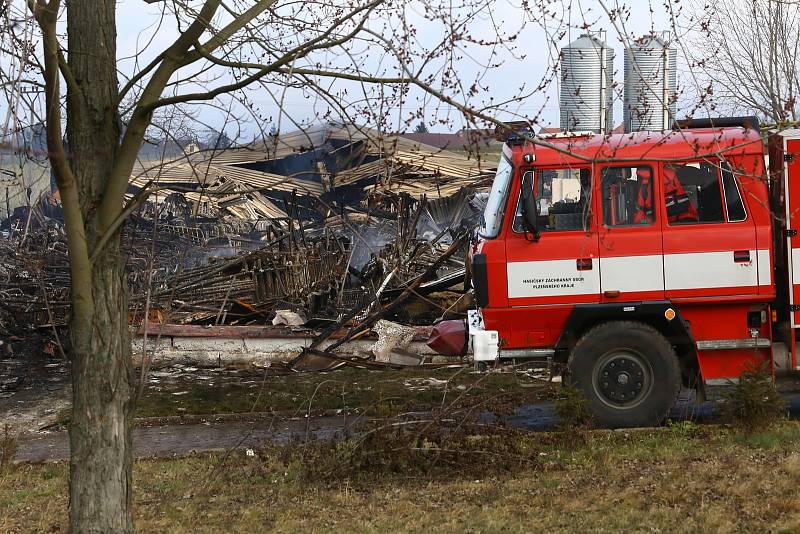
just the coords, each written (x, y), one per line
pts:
(180, 439)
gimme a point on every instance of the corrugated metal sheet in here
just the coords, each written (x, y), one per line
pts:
(315, 162)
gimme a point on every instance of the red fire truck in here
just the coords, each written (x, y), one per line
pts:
(644, 261)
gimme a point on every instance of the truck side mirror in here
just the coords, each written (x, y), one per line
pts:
(530, 209)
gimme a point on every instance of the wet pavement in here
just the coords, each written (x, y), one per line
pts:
(221, 434)
(179, 440)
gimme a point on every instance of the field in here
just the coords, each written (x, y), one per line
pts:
(681, 478)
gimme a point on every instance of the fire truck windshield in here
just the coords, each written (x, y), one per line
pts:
(496, 203)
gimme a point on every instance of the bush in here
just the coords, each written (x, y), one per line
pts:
(469, 451)
(753, 403)
(572, 407)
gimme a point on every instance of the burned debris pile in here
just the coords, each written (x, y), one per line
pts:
(250, 286)
(317, 223)
(34, 276)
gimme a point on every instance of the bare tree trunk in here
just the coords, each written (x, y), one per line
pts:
(102, 378)
(102, 375)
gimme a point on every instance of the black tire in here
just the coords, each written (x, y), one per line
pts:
(628, 372)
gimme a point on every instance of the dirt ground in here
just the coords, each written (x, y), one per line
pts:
(187, 409)
(34, 388)
(40, 401)
(681, 478)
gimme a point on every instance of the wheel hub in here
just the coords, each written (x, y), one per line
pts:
(622, 378)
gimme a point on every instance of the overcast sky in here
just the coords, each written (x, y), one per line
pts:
(136, 21)
(536, 47)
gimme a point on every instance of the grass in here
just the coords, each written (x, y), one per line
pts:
(682, 478)
(8, 446)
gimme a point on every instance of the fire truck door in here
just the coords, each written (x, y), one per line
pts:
(562, 266)
(630, 248)
(792, 184)
(709, 239)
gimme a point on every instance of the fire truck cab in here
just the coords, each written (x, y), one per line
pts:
(644, 261)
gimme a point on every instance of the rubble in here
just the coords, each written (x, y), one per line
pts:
(288, 318)
(393, 342)
(329, 228)
(249, 287)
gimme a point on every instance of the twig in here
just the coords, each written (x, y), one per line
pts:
(50, 316)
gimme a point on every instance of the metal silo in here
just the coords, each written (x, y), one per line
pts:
(650, 84)
(587, 78)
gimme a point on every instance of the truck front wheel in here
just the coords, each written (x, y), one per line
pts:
(628, 372)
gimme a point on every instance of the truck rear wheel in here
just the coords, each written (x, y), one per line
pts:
(628, 372)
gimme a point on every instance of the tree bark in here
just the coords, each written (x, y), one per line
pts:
(100, 432)
(100, 350)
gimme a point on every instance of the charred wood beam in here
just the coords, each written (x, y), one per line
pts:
(371, 319)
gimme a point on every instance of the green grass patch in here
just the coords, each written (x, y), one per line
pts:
(776, 438)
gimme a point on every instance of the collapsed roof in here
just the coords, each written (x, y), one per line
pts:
(330, 164)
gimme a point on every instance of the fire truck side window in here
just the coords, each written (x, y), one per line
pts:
(693, 193)
(628, 196)
(563, 197)
(733, 198)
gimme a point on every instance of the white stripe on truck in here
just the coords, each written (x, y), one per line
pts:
(551, 278)
(796, 265)
(693, 270)
(632, 273)
(700, 270)
(764, 268)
